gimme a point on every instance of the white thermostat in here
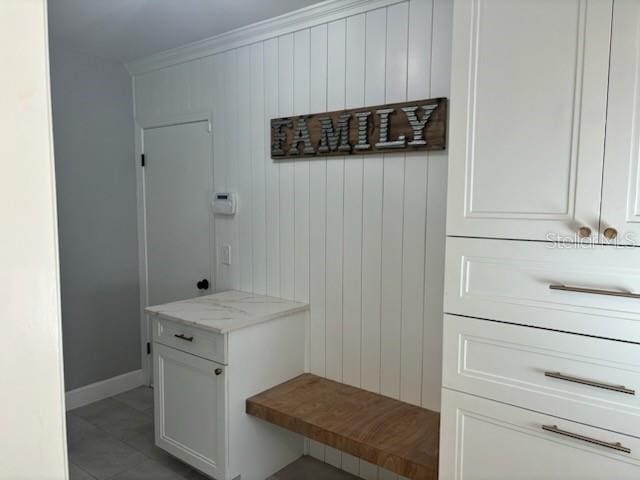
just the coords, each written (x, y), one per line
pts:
(224, 203)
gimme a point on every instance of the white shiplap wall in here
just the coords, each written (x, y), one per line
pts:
(360, 238)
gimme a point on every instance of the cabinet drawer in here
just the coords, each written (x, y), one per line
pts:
(514, 281)
(586, 379)
(482, 439)
(191, 340)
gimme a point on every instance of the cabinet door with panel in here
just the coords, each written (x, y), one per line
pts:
(190, 416)
(528, 112)
(621, 185)
(486, 440)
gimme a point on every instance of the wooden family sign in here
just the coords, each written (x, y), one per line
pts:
(409, 126)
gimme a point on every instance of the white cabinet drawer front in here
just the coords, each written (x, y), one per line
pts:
(189, 398)
(528, 116)
(586, 379)
(191, 340)
(486, 440)
(510, 281)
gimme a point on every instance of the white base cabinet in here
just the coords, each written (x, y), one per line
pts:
(201, 382)
(486, 440)
(190, 409)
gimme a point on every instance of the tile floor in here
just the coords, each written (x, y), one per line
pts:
(113, 439)
(308, 468)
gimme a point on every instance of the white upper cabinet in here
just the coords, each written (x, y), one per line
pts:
(528, 114)
(621, 185)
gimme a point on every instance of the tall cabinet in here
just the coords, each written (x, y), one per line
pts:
(541, 374)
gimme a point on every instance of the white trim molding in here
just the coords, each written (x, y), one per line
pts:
(299, 19)
(106, 388)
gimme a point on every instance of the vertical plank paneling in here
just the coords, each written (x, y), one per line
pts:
(145, 88)
(220, 164)
(372, 207)
(415, 212)
(207, 99)
(272, 169)
(352, 234)
(230, 224)
(179, 81)
(317, 200)
(258, 131)
(301, 92)
(392, 210)
(352, 269)
(244, 216)
(335, 192)
(285, 108)
(419, 49)
(318, 214)
(301, 79)
(361, 239)
(199, 86)
(335, 206)
(436, 215)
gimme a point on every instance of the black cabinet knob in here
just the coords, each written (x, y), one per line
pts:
(203, 284)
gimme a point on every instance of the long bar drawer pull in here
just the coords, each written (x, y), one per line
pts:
(595, 291)
(182, 336)
(614, 446)
(591, 383)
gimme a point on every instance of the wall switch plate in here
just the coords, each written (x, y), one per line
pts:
(226, 255)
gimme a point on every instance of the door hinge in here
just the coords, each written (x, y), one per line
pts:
(148, 348)
(142, 163)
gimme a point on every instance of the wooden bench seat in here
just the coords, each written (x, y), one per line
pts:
(394, 435)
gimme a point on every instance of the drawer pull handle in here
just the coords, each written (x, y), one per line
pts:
(591, 383)
(614, 446)
(595, 291)
(182, 336)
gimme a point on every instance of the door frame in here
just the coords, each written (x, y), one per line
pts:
(142, 124)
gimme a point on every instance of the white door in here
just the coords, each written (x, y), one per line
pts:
(486, 440)
(190, 412)
(178, 183)
(528, 111)
(621, 186)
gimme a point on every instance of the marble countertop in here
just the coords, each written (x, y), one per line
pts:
(227, 311)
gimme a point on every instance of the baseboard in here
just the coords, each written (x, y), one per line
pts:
(106, 388)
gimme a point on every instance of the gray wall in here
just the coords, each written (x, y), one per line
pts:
(95, 174)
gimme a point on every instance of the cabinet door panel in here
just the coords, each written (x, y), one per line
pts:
(528, 108)
(189, 409)
(621, 185)
(486, 440)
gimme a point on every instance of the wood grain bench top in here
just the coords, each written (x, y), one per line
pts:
(395, 435)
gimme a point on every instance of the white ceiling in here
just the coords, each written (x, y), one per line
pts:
(125, 30)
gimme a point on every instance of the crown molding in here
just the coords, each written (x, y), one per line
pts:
(290, 22)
